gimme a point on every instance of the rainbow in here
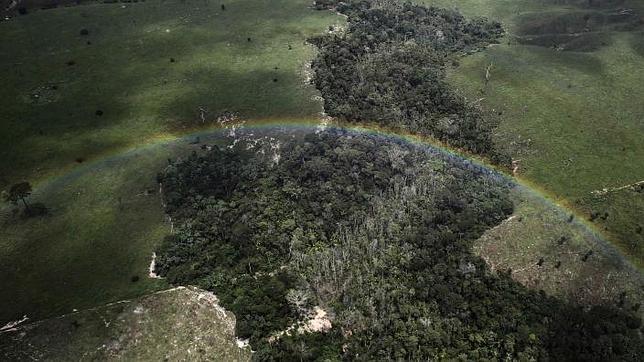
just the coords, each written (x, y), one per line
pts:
(401, 135)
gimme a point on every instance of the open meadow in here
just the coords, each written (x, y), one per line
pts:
(144, 70)
(570, 112)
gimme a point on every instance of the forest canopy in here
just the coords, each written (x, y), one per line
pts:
(388, 67)
(376, 233)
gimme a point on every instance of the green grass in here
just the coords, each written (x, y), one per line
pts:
(126, 72)
(574, 120)
(535, 232)
(103, 228)
(101, 232)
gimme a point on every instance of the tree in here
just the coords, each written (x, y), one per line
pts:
(19, 192)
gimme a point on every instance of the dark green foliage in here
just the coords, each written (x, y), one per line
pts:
(388, 68)
(234, 233)
(304, 347)
(601, 334)
(20, 192)
(379, 235)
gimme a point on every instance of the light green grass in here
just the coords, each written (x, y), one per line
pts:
(535, 232)
(574, 120)
(126, 72)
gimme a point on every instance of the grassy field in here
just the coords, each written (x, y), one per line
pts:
(149, 67)
(548, 251)
(105, 221)
(180, 324)
(106, 217)
(571, 119)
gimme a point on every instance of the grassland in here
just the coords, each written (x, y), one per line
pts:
(546, 250)
(106, 217)
(104, 223)
(161, 326)
(571, 119)
(149, 68)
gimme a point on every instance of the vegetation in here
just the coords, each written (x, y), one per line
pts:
(375, 233)
(96, 174)
(567, 116)
(379, 235)
(139, 329)
(18, 192)
(538, 233)
(103, 224)
(389, 67)
(122, 52)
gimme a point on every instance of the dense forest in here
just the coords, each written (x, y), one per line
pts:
(376, 233)
(388, 67)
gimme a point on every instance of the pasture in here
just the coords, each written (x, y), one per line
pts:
(569, 110)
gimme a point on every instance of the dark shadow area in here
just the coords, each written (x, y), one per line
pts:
(637, 42)
(583, 30)
(266, 94)
(12, 8)
(144, 77)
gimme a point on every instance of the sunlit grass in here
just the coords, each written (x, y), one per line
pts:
(150, 67)
(573, 120)
(546, 249)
